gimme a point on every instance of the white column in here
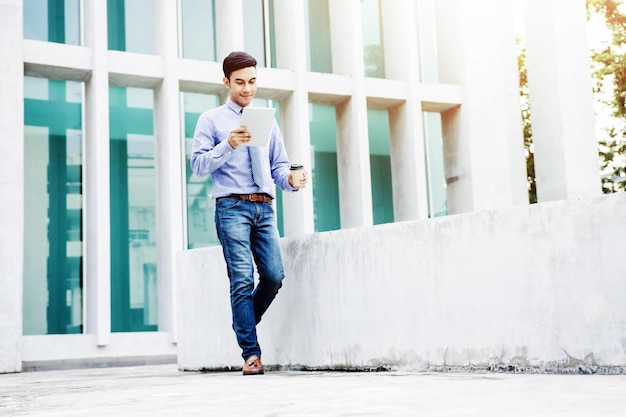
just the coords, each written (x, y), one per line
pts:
(169, 161)
(11, 184)
(97, 222)
(355, 192)
(228, 27)
(561, 103)
(291, 54)
(408, 159)
(483, 142)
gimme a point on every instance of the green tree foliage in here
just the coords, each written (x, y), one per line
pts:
(609, 71)
(528, 135)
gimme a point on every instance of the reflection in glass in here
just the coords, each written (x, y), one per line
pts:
(53, 251)
(380, 165)
(438, 200)
(200, 206)
(254, 29)
(130, 26)
(52, 20)
(324, 174)
(133, 218)
(373, 53)
(198, 29)
(259, 36)
(318, 37)
(427, 41)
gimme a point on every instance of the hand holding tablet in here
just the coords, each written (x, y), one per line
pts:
(259, 122)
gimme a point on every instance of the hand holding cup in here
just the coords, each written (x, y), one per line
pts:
(298, 177)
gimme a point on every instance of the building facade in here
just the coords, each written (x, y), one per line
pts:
(400, 109)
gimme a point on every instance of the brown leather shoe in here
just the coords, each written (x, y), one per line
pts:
(253, 366)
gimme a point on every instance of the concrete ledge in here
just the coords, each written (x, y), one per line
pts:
(535, 288)
(89, 363)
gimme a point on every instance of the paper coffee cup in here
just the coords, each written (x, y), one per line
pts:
(296, 173)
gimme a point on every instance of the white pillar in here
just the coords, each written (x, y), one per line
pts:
(355, 193)
(483, 142)
(408, 159)
(169, 162)
(97, 223)
(229, 27)
(561, 103)
(292, 55)
(11, 184)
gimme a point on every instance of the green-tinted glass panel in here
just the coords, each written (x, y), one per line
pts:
(259, 36)
(373, 53)
(318, 37)
(272, 32)
(52, 20)
(130, 25)
(198, 29)
(133, 217)
(323, 130)
(254, 30)
(52, 207)
(427, 40)
(380, 165)
(200, 206)
(438, 200)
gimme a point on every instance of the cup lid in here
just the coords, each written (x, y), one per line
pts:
(296, 166)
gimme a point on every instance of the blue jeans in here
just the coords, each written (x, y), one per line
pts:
(247, 230)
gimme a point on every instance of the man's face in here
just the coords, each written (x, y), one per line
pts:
(242, 85)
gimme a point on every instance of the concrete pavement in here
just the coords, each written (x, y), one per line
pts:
(162, 390)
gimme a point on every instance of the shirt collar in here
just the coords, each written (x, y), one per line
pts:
(234, 106)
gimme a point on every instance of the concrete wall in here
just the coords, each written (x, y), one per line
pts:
(537, 288)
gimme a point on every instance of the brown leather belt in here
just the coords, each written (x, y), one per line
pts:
(263, 198)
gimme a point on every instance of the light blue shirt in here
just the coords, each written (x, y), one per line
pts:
(230, 168)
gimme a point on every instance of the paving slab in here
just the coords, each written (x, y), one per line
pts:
(163, 390)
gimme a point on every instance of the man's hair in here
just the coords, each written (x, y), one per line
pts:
(236, 61)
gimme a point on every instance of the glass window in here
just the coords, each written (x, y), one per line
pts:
(318, 37)
(373, 54)
(200, 206)
(380, 165)
(198, 29)
(427, 41)
(259, 36)
(133, 201)
(323, 130)
(53, 249)
(438, 200)
(52, 20)
(130, 26)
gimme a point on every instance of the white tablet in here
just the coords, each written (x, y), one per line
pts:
(259, 122)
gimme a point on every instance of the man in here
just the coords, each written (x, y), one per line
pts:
(244, 189)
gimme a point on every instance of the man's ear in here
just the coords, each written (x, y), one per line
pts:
(226, 82)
